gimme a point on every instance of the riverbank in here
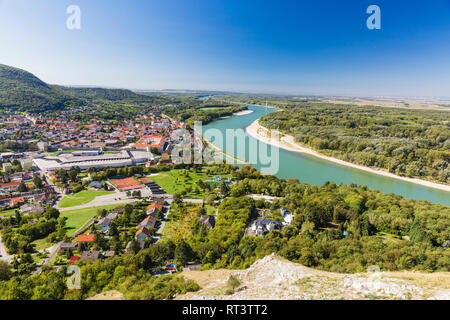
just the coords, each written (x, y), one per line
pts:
(240, 113)
(243, 113)
(287, 142)
(221, 151)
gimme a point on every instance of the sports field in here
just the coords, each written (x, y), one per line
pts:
(126, 184)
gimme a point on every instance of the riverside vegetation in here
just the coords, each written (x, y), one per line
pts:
(412, 143)
(369, 227)
(377, 229)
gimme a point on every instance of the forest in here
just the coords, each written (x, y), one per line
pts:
(21, 91)
(191, 110)
(338, 228)
(368, 228)
(128, 274)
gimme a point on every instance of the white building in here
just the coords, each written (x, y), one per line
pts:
(113, 160)
(288, 217)
(7, 167)
(42, 145)
(26, 164)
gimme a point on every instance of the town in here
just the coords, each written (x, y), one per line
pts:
(75, 192)
(222, 150)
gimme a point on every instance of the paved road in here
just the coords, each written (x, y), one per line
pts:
(115, 198)
(52, 251)
(98, 201)
(96, 204)
(89, 223)
(193, 200)
(158, 233)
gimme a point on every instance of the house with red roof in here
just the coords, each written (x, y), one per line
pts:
(148, 223)
(86, 238)
(17, 200)
(10, 186)
(154, 208)
(142, 234)
(74, 259)
(153, 141)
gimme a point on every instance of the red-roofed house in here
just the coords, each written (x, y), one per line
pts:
(154, 208)
(74, 259)
(152, 141)
(148, 223)
(17, 200)
(86, 238)
(10, 186)
(143, 233)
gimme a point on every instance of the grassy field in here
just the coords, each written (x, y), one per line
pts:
(77, 218)
(54, 154)
(8, 212)
(175, 181)
(178, 224)
(41, 244)
(81, 198)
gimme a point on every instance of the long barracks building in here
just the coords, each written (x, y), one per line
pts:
(85, 161)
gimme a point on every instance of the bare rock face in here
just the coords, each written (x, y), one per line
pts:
(273, 278)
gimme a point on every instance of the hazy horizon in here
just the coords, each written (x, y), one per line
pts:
(288, 47)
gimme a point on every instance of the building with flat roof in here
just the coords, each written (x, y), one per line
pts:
(93, 160)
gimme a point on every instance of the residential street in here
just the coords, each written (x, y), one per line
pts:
(111, 199)
(116, 198)
(52, 251)
(94, 204)
(161, 227)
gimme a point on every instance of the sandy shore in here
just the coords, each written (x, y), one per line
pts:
(226, 155)
(243, 113)
(240, 113)
(287, 142)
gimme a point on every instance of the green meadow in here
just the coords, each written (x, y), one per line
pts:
(81, 198)
(177, 180)
(77, 218)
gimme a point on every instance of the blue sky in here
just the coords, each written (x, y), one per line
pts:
(301, 47)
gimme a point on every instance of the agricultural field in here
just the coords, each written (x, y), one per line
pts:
(81, 198)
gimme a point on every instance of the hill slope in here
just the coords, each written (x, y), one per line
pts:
(275, 278)
(116, 95)
(22, 91)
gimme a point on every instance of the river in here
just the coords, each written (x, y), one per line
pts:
(315, 171)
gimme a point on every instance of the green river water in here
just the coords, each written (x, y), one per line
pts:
(315, 171)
